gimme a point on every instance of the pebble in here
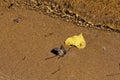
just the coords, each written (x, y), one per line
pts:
(59, 51)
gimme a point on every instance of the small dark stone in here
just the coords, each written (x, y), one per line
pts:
(98, 25)
(10, 5)
(55, 51)
(59, 51)
(17, 20)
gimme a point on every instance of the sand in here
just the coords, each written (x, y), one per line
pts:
(27, 36)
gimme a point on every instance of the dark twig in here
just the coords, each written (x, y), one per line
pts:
(69, 48)
(50, 57)
(55, 71)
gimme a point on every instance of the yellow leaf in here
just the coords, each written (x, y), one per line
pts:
(77, 41)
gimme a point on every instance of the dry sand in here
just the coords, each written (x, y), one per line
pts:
(26, 38)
